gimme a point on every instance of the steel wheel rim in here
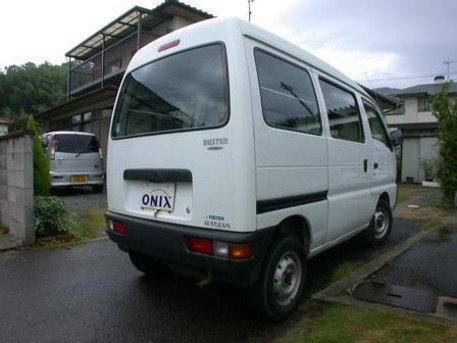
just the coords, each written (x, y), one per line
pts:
(287, 278)
(381, 223)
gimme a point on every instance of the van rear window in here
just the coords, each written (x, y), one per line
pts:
(185, 91)
(76, 143)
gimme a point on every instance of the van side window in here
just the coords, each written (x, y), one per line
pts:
(343, 114)
(377, 127)
(287, 95)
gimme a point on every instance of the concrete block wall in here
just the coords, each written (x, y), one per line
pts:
(16, 185)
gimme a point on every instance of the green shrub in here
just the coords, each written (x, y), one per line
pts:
(41, 181)
(51, 216)
(445, 109)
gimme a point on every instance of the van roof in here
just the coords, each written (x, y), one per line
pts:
(233, 24)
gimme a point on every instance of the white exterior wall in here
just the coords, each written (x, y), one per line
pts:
(411, 114)
(415, 151)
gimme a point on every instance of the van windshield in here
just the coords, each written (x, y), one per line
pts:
(185, 91)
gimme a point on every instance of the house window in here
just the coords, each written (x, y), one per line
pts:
(423, 104)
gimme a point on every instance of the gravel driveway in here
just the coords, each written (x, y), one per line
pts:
(81, 199)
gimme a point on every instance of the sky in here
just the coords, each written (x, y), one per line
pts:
(389, 43)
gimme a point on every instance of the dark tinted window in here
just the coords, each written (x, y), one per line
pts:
(287, 95)
(342, 112)
(75, 143)
(185, 91)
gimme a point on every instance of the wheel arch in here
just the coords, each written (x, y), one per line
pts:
(298, 227)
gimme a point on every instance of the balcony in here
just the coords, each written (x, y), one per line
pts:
(107, 66)
(102, 58)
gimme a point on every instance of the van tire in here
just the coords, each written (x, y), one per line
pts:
(380, 225)
(97, 189)
(146, 264)
(282, 281)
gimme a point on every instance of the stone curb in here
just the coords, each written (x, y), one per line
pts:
(341, 291)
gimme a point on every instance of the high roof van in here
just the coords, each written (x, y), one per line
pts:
(236, 156)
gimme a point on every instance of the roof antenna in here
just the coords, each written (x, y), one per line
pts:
(249, 7)
(448, 62)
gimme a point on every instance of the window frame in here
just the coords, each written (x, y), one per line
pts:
(378, 114)
(423, 104)
(314, 91)
(226, 90)
(357, 107)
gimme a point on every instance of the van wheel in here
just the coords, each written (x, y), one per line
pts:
(97, 188)
(282, 280)
(146, 264)
(381, 224)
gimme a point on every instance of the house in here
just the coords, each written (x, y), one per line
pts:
(96, 66)
(420, 127)
(4, 124)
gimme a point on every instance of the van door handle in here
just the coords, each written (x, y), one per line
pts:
(365, 165)
(60, 158)
(375, 165)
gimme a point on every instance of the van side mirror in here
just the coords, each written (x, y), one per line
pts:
(396, 136)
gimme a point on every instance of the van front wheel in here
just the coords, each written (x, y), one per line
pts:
(381, 224)
(281, 283)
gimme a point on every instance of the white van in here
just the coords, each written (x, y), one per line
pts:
(236, 156)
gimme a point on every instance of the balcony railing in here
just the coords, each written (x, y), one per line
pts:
(106, 65)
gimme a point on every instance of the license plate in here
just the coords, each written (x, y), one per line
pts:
(78, 179)
(158, 197)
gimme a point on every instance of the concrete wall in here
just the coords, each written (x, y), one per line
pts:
(16, 185)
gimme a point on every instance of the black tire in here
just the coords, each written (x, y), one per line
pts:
(146, 264)
(97, 188)
(282, 281)
(381, 224)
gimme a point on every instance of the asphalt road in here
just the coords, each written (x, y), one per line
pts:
(91, 293)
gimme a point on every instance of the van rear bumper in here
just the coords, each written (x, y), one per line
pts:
(167, 242)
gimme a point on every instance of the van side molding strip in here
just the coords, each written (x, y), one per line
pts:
(158, 175)
(270, 205)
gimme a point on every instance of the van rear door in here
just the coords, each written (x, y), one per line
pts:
(173, 151)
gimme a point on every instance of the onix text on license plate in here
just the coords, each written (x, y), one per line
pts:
(158, 196)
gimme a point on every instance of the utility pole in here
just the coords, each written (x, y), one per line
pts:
(249, 9)
(447, 63)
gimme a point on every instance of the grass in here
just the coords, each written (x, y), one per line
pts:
(344, 269)
(90, 225)
(3, 228)
(342, 323)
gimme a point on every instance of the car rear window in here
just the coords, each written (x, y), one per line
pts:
(181, 92)
(76, 143)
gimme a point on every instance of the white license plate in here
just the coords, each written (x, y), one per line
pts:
(78, 179)
(158, 197)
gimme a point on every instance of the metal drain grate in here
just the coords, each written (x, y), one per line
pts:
(398, 296)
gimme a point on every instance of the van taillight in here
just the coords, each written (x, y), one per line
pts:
(116, 226)
(233, 251)
(52, 153)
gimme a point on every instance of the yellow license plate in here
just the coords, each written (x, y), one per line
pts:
(78, 179)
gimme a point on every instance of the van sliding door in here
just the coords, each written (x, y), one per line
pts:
(349, 176)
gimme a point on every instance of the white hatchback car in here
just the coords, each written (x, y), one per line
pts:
(75, 159)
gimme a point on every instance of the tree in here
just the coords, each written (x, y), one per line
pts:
(445, 109)
(41, 181)
(30, 89)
